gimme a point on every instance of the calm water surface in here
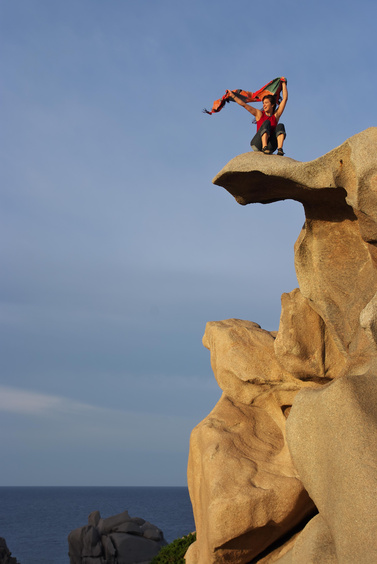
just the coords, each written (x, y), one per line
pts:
(36, 521)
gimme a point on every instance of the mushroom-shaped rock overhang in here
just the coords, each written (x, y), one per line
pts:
(346, 172)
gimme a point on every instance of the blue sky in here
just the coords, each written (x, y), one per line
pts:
(116, 248)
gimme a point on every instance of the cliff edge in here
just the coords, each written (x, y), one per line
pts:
(284, 467)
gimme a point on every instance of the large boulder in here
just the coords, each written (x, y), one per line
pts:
(244, 362)
(245, 490)
(119, 539)
(326, 339)
(340, 472)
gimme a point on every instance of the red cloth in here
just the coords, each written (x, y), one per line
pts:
(273, 87)
(264, 118)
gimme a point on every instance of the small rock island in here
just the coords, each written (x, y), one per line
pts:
(119, 539)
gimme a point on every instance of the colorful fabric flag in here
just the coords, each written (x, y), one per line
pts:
(273, 87)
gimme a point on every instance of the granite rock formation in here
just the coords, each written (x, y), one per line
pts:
(119, 539)
(340, 473)
(257, 479)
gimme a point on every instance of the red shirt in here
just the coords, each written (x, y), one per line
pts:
(264, 118)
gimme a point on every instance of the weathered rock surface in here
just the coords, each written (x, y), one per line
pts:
(244, 362)
(247, 491)
(314, 545)
(340, 472)
(336, 252)
(324, 351)
(119, 539)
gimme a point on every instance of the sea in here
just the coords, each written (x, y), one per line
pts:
(36, 521)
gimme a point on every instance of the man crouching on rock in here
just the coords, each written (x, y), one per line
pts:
(270, 133)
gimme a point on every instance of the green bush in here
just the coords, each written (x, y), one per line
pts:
(174, 552)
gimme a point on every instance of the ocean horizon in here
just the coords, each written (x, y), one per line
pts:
(36, 520)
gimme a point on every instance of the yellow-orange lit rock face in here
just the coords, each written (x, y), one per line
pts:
(246, 490)
(249, 502)
(332, 438)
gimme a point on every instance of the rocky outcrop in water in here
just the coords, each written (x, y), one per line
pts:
(5, 554)
(259, 470)
(119, 539)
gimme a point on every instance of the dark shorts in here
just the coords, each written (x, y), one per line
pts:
(273, 134)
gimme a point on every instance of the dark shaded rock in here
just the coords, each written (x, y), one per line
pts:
(131, 528)
(5, 554)
(119, 539)
(94, 518)
(151, 532)
(109, 524)
(134, 550)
